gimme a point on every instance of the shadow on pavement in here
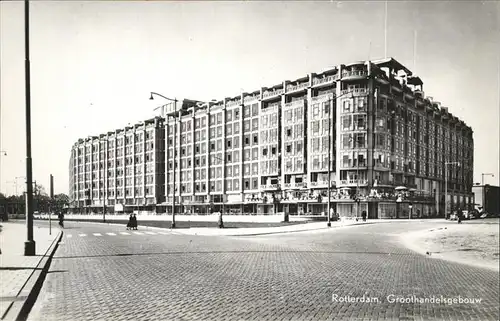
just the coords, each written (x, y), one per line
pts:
(58, 271)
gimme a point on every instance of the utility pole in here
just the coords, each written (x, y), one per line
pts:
(105, 184)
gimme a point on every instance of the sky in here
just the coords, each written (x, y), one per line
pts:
(94, 63)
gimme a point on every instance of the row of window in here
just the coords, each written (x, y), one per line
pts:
(230, 185)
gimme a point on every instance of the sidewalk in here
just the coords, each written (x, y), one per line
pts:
(21, 275)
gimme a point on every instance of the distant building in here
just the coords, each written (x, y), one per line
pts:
(487, 198)
(267, 151)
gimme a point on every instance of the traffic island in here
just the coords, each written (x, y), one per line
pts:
(474, 243)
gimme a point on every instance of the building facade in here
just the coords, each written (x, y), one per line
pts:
(124, 166)
(366, 129)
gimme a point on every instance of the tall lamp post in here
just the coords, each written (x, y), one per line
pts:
(446, 185)
(29, 244)
(175, 145)
(485, 174)
(105, 183)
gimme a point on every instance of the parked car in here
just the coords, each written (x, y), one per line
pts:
(466, 215)
(475, 214)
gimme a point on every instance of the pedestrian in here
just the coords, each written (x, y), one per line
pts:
(134, 222)
(129, 223)
(61, 219)
(220, 221)
(459, 216)
(363, 215)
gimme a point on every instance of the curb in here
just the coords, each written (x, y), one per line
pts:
(20, 309)
(296, 231)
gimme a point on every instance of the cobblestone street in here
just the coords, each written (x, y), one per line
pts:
(153, 276)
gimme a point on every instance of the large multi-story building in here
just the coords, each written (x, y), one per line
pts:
(366, 129)
(124, 166)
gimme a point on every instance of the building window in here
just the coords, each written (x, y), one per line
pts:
(255, 153)
(346, 106)
(264, 152)
(315, 109)
(326, 107)
(315, 127)
(360, 140)
(255, 124)
(299, 147)
(346, 122)
(255, 109)
(246, 111)
(345, 161)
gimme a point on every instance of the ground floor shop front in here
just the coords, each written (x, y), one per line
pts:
(381, 209)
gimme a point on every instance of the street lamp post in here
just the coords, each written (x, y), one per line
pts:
(29, 244)
(105, 183)
(446, 185)
(174, 154)
(485, 174)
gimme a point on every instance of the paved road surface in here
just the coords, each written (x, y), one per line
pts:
(100, 273)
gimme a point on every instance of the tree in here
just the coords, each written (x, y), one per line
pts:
(3, 206)
(60, 202)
